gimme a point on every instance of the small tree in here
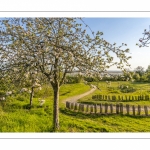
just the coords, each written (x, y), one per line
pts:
(136, 76)
(139, 70)
(55, 46)
(148, 69)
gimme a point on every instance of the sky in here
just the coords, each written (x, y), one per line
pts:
(124, 30)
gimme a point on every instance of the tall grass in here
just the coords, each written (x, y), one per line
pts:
(15, 117)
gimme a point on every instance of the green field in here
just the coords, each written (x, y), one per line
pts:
(14, 117)
(141, 89)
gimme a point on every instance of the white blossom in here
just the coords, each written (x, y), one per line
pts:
(36, 85)
(23, 90)
(2, 98)
(41, 102)
(8, 93)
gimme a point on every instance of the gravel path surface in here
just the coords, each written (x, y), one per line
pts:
(75, 98)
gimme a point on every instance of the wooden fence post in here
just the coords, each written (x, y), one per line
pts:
(95, 108)
(106, 97)
(87, 108)
(121, 108)
(114, 98)
(129, 98)
(142, 97)
(119, 98)
(111, 108)
(72, 105)
(101, 108)
(136, 98)
(139, 109)
(66, 104)
(103, 97)
(106, 108)
(91, 108)
(69, 106)
(133, 109)
(97, 97)
(146, 97)
(117, 108)
(146, 110)
(76, 106)
(126, 98)
(109, 97)
(133, 98)
(100, 97)
(82, 107)
(128, 108)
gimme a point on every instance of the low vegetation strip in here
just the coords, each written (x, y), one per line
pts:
(121, 97)
(109, 108)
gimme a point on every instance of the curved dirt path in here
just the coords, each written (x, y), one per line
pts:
(77, 97)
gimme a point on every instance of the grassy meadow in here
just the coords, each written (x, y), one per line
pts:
(15, 117)
(140, 89)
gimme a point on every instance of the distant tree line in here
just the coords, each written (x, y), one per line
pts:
(137, 75)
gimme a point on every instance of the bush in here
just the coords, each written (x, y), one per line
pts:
(75, 79)
(90, 79)
(127, 89)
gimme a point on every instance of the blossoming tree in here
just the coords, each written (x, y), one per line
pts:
(55, 46)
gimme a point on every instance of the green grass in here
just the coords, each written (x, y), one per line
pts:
(70, 90)
(78, 122)
(15, 118)
(141, 88)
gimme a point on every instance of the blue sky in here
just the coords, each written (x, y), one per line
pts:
(124, 30)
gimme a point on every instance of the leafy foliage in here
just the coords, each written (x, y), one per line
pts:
(126, 88)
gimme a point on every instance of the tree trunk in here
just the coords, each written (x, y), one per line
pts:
(31, 96)
(56, 108)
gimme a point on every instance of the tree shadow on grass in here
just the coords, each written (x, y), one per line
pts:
(64, 93)
(139, 83)
(81, 115)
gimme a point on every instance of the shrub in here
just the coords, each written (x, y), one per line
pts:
(74, 79)
(127, 89)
